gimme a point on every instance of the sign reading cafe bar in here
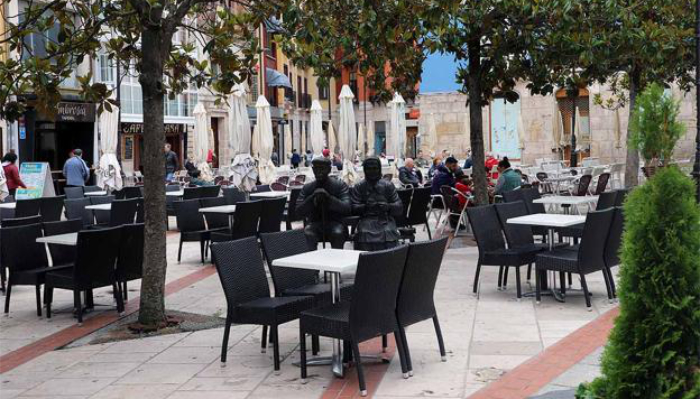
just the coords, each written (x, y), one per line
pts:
(171, 129)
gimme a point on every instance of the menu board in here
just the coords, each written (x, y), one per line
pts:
(37, 177)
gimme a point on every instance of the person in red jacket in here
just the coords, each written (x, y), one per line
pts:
(490, 162)
(12, 173)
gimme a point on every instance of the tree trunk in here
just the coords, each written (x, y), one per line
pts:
(632, 161)
(475, 125)
(155, 48)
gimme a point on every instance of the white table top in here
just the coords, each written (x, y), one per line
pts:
(228, 209)
(99, 207)
(8, 205)
(548, 220)
(70, 239)
(566, 200)
(562, 178)
(270, 194)
(174, 193)
(95, 193)
(325, 260)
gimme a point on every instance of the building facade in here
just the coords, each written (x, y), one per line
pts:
(524, 131)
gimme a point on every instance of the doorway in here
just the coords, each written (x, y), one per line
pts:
(504, 128)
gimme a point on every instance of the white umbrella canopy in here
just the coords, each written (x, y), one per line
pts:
(396, 143)
(109, 171)
(302, 150)
(332, 142)
(347, 134)
(316, 129)
(238, 122)
(266, 168)
(370, 139)
(522, 133)
(287, 144)
(361, 140)
(201, 141)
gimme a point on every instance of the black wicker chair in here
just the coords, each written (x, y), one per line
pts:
(130, 260)
(190, 222)
(190, 193)
(101, 217)
(25, 259)
(73, 192)
(519, 236)
(123, 212)
(245, 222)
(75, 209)
(612, 246)
(210, 191)
(621, 196)
(95, 260)
(418, 212)
(514, 196)
(529, 195)
(62, 254)
(233, 195)
(602, 183)
(415, 301)
(589, 257)
(262, 188)
(407, 232)
(92, 189)
(14, 222)
(133, 192)
(242, 274)
(51, 208)
(370, 314)
(271, 215)
(492, 246)
(28, 207)
(215, 221)
(290, 215)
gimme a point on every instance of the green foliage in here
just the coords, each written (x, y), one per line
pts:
(654, 124)
(654, 348)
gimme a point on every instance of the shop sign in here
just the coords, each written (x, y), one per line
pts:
(171, 129)
(75, 112)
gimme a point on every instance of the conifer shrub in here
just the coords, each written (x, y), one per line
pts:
(654, 348)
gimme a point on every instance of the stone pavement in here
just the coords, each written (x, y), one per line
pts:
(485, 337)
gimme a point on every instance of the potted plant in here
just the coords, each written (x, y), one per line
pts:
(655, 128)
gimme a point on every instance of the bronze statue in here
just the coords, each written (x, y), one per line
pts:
(324, 203)
(376, 202)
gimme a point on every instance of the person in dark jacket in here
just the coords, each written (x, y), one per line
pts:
(171, 163)
(409, 175)
(445, 175)
(296, 159)
(324, 203)
(376, 202)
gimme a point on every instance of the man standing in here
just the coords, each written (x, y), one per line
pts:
(171, 164)
(324, 203)
(75, 170)
(409, 175)
(376, 202)
(296, 159)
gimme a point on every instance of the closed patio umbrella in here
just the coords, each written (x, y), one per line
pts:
(396, 142)
(108, 173)
(347, 134)
(618, 129)
(302, 150)
(287, 144)
(332, 140)
(361, 140)
(316, 129)
(266, 168)
(201, 142)
(522, 134)
(557, 126)
(243, 173)
(370, 139)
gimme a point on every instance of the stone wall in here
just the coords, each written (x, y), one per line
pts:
(452, 125)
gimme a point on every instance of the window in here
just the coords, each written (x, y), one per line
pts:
(583, 127)
(131, 98)
(323, 91)
(106, 68)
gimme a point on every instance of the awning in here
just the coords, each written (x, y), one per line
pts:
(276, 79)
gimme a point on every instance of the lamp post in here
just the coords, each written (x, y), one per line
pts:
(696, 167)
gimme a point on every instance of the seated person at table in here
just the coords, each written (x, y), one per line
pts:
(409, 175)
(490, 162)
(197, 179)
(445, 175)
(324, 203)
(508, 179)
(463, 184)
(376, 202)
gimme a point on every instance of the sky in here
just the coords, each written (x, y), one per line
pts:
(439, 72)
